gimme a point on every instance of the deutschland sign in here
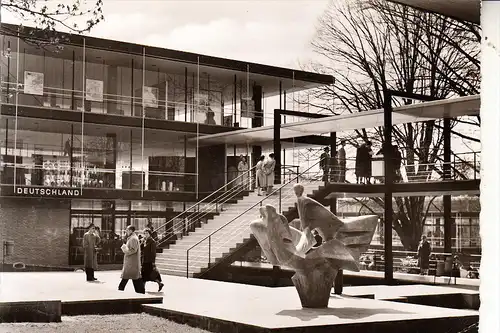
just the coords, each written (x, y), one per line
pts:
(48, 192)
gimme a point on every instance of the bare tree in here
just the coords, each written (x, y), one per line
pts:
(371, 46)
(74, 16)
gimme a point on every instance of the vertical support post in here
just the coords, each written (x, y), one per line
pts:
(130, 165)
(388, 213)
(71, 157)
(338, 285)
(446, 175)
(185, 94)
(235, 99)
(73, 82)
(277, 146)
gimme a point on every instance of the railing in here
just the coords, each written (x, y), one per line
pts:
(211, 111)
(465, 265)
(63, 176)
(235, 230)
(193, 215)
(407, 262)
(463, 166)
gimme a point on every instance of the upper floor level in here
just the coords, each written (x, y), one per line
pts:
(111, 77)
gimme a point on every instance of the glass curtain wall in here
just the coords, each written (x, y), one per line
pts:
(49, 153)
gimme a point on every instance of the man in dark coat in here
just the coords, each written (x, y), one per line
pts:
(424, 251)
(324, 164)
(90, 241)
(341, 157)
(149, 272)
(396, 155)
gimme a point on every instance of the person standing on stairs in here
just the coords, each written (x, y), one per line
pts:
(149, 272)
(268, 167)
(342, 161)
(324, 164)
(243, 172)
(259, 174)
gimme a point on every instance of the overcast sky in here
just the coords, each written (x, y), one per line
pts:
(274, 32)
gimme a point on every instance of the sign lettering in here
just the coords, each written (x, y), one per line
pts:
(48, 192)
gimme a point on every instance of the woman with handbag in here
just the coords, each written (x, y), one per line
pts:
(149, 271)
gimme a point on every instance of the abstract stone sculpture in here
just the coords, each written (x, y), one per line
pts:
(315, 268)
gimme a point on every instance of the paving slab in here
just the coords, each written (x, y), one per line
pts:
(226, 307)
(76, 295)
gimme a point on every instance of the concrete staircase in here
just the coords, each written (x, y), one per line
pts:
(173, 261)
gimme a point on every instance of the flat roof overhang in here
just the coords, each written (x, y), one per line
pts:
(464, 10)
(449, 108)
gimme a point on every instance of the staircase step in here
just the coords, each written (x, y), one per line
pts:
(225, 237)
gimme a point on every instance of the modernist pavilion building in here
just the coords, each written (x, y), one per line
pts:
(107, 132)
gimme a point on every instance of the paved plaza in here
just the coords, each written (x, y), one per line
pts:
(226, 307)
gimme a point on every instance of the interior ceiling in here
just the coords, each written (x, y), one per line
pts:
(452, 108)
(466, 10)
(223, 77)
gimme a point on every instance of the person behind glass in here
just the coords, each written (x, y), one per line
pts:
(341, 157)
(243, 172)
(210, 120)
(259, 175)
(153, 233)
(423, 252)
(148, 270)
(268, 168)
(90, 241)
(324, 164)
(131, 262)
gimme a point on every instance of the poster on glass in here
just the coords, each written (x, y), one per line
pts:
(247, 108)
(150, 97)
(33, 83)
(94, 90)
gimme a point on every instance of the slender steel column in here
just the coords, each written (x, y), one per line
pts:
(185, 94)
(447, 175)
(277, 146)
(388, 212)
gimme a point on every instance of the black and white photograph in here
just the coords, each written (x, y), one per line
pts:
(266, 165)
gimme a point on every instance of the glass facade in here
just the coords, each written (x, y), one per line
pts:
(111, 219)
(136, 85)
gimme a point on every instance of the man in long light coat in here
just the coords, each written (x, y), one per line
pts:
(268, 168)
(90, 240)
(132, 262)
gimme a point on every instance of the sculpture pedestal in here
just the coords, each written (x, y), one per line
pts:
(314, 286)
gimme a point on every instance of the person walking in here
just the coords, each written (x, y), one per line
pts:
(341, 157)
(423, 252)
(259, 174)
(324, 164)
(91, 240)
(132, 262)
(149, 272)
(268, 168)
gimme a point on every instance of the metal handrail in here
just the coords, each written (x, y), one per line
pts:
(203, 214)
(243, 213)
(205, 198)
(236, 230)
